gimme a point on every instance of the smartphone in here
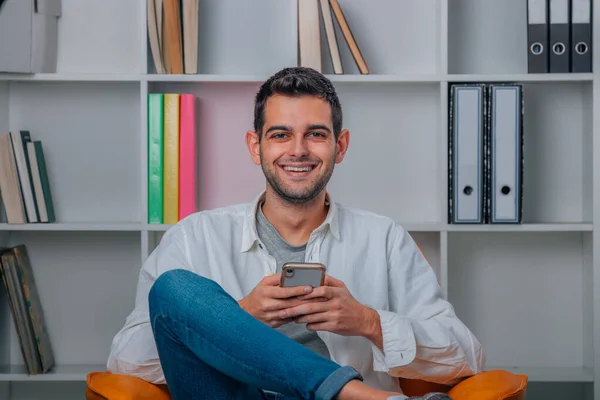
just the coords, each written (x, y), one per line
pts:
(302, 274)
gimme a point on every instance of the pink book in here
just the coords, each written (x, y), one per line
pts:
(187, 156)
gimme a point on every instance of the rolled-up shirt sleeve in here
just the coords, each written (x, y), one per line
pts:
(133, 351)
(422, 336)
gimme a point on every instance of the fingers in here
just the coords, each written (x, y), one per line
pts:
(326, 292)
(287, 292)
(303, 309)
(313, 318)
(270, 280)
(331, 281)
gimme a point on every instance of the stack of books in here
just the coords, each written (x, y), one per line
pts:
(309, 35)
(172, 165)
(24, 183)
(173, 35)
(26, 309)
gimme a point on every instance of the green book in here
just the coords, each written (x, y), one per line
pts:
(45, 204)
(155, 157)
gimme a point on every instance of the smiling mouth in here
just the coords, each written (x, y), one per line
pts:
(299, 169)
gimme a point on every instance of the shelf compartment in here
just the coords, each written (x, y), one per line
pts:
(557, 152)
(487, 37)
(523, 295)
(379, 30)
(226, 173)
(93, 38)
(90, 136)
(244, 37)
(86, 284)
(394, 141)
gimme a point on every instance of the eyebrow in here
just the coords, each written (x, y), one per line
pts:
(288, 128)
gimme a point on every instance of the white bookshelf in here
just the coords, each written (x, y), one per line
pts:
(531, 292)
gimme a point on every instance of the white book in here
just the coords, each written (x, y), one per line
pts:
(18, 139)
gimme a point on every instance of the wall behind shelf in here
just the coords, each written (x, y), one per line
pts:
(392, 164)
(487, 36)
(100, 37)
(521, 295)
(557, 152)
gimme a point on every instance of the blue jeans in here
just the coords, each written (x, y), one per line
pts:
(210, 348)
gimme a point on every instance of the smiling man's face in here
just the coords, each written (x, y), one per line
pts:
(298, 148)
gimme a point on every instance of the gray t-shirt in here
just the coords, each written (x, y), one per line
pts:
(285, 252)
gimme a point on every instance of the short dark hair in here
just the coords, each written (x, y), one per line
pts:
(297, 81)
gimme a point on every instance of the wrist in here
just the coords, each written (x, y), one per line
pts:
(372, 327)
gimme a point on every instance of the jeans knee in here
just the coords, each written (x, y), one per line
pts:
(176, 286)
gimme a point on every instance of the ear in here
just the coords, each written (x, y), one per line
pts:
(253, 146)
(343, 141)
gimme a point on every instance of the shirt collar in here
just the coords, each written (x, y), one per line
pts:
(250, 232)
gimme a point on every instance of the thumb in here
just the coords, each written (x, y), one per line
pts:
(271, 280)
(331, 281)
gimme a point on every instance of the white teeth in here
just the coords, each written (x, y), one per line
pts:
(298, 169)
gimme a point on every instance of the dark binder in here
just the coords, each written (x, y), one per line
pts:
(560, 35)
(581, 35)
(537, 36)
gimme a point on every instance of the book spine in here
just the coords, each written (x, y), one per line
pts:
(171, 159)
(41, 161)
(187, 156)
(155, 158)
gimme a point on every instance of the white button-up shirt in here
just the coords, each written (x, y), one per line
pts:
(374, 256)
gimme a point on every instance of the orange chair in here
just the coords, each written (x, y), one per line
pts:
(488, 385)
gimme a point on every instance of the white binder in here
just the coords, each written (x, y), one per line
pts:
(506, 129)
(466, 147)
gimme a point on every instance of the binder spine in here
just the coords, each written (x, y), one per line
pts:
(454, 192)
(496, 162)
(581, 36)
(560, 36)
(537, 36)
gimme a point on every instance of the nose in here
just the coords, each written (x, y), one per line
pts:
(298, 146)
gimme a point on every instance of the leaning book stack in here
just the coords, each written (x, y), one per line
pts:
(26, 308)
(172, 166)
(24, 183)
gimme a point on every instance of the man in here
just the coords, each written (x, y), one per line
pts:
(212, 322)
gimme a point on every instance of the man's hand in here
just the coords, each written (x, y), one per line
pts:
(268, 299)
(340, 313)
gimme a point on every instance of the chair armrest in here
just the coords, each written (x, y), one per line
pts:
(107, 386)
(491, 385)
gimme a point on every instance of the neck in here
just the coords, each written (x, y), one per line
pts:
(294, 222)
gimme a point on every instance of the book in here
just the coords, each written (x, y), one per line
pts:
(155, 157)
(187, 155)
(10, 188)
(27, 310)
(171, 159)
